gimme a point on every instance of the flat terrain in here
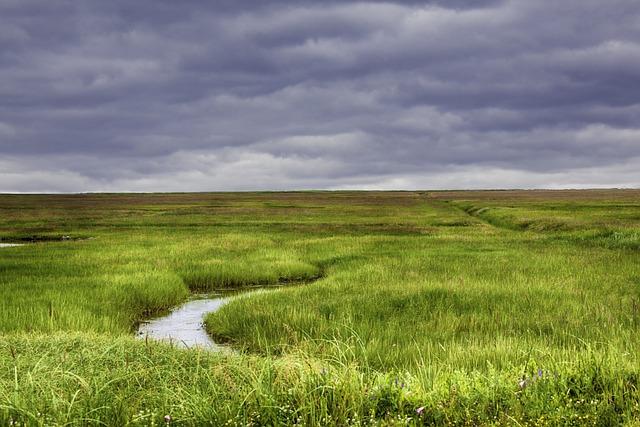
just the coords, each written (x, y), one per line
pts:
(479, 307)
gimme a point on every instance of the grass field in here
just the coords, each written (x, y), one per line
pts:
(464, 308)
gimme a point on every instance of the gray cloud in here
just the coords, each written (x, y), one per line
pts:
(194, 95)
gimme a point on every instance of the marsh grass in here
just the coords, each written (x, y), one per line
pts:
(93, 379)
(503, 308)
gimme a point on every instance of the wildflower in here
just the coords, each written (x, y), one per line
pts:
(420, 411)
(522, 383)
(167, 419)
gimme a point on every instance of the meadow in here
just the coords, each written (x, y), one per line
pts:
(400, 308)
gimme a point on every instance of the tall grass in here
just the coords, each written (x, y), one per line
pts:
(87, 379)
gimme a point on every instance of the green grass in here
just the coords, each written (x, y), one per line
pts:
(445, 301)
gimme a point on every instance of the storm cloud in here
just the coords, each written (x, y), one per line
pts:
(161, 95)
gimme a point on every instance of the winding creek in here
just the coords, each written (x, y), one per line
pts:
(184, 325)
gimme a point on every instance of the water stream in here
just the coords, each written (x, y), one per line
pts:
(184, 325)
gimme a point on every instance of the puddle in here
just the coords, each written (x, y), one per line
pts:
(184, 327)
(10, 245)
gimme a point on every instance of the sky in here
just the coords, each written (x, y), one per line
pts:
(165, 95)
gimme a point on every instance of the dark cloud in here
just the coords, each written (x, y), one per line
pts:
(195, 95)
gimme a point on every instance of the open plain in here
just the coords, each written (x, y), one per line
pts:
(378, 308)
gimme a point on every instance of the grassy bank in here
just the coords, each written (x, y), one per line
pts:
(461, 307)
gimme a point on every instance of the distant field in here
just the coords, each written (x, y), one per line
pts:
(466, 308)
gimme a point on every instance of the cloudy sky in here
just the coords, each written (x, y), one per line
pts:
(165, 95)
